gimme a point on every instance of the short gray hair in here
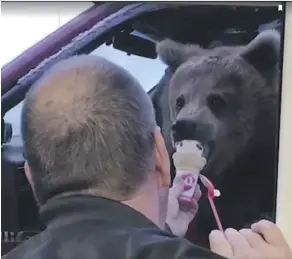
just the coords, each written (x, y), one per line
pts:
(88, 125)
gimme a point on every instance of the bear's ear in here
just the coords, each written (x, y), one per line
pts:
(173, 53)
(263, 52)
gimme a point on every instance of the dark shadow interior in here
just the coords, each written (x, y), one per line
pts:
(204, 24)
(208, 26)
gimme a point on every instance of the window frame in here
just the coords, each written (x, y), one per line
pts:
(108, 18)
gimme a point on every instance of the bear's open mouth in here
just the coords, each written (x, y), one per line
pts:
(208, 148)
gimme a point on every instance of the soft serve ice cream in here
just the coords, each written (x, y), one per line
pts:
(189, 161)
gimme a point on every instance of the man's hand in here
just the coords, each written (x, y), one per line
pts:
(263, 241)
(177, 219)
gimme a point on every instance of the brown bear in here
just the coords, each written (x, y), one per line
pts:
(228, 99)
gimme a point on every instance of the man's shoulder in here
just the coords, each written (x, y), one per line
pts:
(154, 244)
(108, 242)
(26, 249)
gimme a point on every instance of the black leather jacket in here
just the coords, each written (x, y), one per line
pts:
(83, 227)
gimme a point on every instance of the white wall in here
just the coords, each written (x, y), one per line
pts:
(25, 23)
(284, 195)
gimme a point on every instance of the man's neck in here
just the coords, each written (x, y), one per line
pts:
(146, 203)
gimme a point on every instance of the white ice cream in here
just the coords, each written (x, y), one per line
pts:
(188, 156)
(189, 161)
(190, 146)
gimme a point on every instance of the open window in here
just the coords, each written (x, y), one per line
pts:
(127, 35)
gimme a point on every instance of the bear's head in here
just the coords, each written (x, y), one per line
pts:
(223, 97)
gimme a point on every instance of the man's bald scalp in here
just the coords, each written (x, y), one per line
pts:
(87, 126)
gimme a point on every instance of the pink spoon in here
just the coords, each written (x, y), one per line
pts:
(212, 193)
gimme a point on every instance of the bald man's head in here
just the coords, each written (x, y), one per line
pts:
(87, 124)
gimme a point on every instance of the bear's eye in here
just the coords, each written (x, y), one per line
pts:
(216, 103)
(180, 102)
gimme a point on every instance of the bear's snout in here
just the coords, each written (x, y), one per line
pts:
(192, 130)
(184, 129)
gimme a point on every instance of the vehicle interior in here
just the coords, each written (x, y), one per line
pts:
(206, 25)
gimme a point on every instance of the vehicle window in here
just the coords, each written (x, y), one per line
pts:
(13, 117)
(25, 18)
(147, 71)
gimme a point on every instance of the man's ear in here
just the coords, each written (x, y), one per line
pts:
(263, 53)
(162, 163)
(174, 53)
(27, 172)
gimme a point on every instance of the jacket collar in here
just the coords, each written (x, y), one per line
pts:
(72, 209)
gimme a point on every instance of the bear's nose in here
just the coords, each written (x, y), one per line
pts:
(184, 129)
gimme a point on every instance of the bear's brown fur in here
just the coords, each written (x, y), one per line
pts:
(228, 96)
